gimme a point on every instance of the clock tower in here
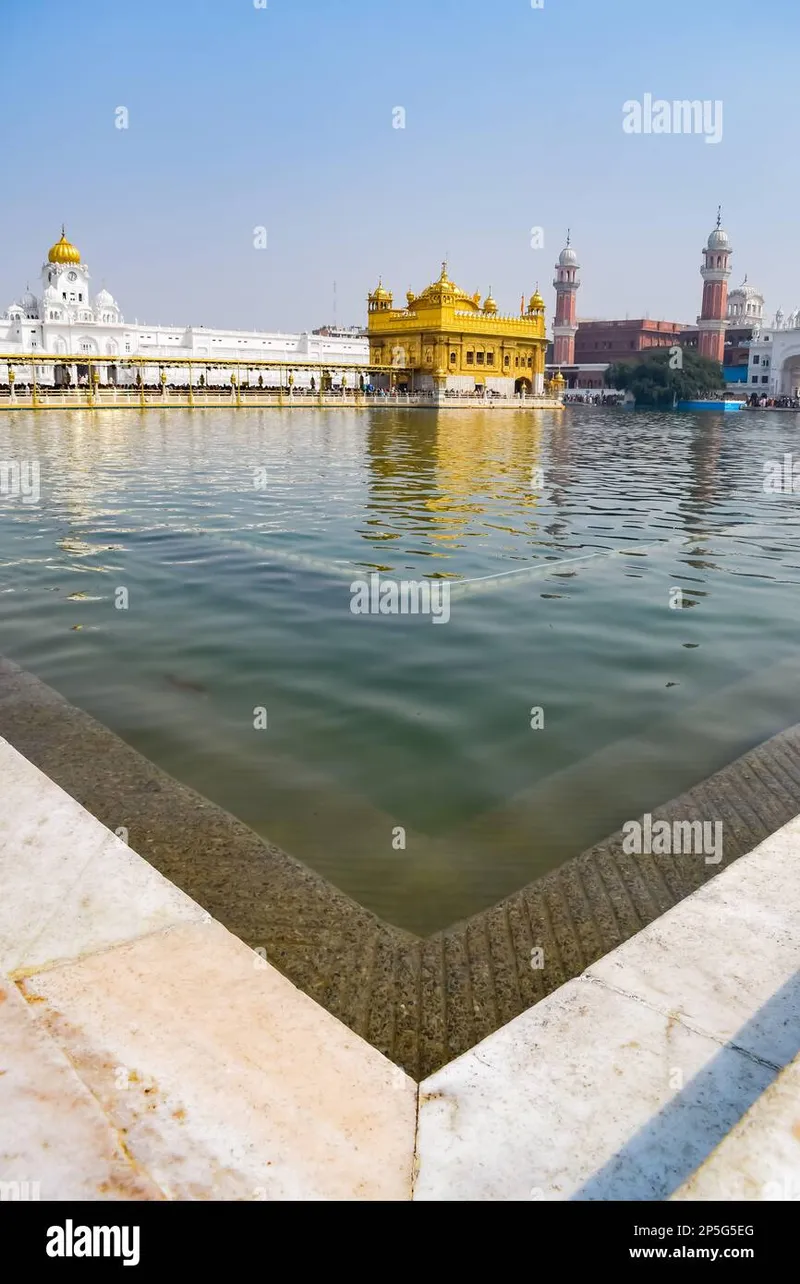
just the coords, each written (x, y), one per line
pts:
(65, 284)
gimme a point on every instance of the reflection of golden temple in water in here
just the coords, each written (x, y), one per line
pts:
(464, 466)
(441, 471)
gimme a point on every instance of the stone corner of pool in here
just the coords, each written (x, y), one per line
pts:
(421, 1002)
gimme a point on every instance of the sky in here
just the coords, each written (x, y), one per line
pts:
(283, 117)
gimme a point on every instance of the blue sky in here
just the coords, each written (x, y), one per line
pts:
(282, 117)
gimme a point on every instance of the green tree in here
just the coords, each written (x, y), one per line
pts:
(669, 375)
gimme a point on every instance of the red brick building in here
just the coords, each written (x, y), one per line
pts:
(600, 343)
(627, 340)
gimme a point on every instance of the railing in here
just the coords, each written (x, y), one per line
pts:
(153, 398)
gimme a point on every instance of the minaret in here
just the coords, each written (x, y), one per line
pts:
(715, 272)
(565, 324)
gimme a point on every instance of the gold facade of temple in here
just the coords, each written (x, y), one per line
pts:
(445, 340)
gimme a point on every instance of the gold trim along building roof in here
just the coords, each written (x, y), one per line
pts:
(453, 305)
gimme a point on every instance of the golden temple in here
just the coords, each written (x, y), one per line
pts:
(443, 340)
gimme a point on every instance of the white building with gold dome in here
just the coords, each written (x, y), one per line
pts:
(66, 319)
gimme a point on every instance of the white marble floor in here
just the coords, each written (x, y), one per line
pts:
(146, 1053)
(760, 1157)
(620, 1084)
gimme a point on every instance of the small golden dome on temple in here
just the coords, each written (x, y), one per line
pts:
(444, 281)
(537, 302)
(559, 379)
(63, 251)
(489, 304)
(435, 292)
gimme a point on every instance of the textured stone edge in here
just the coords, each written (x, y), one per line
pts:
(421, 1002)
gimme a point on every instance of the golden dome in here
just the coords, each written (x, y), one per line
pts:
(558, 378)
(443, 285)
(489, 304)
(537, 302)
(464, 302)
(444, 281)
(63, 251)
(380, 293)
(443, 289)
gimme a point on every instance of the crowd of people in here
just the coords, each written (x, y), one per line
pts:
(760, 401)
(587, 398)
(331, 389)
(24, 389)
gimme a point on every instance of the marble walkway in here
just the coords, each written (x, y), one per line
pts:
(147, 1053)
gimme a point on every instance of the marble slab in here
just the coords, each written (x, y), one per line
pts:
(590, 1095)
(229, 1083)
(760, 1157)
(55, 1142)
(69, 886)
(727, 959)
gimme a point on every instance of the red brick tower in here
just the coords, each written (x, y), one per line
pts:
(715, 272)
(565, 324)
